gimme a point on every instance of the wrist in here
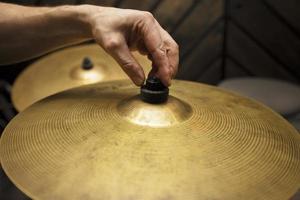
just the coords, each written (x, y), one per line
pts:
(71, 20)
(87, 13)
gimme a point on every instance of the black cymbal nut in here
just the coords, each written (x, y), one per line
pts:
(154, 91)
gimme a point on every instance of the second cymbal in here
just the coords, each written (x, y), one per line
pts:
(65, 69)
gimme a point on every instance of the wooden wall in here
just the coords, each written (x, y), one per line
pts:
(263, 38)
(224, 38)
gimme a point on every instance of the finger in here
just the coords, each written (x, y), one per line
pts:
(173, 56)
(141, 48)
(161, 65)
(152, 39)
(116, 46)
(172, 50)
(153, 71)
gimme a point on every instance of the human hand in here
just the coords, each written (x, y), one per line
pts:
(119, 31)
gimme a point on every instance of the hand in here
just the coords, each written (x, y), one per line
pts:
(120, 30)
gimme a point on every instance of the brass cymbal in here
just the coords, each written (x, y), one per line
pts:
(101, 141)
(63, 70)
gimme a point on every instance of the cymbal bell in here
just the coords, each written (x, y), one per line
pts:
(65, 69)
(101, 141)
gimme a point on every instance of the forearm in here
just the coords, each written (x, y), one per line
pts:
(26, 32)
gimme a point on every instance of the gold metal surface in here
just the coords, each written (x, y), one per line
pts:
(62, 70)
(101, 142)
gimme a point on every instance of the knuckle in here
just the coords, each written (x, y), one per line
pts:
(112, 44)
(96, 32)
(176, 46)
(172, 67)
(160, 52)
(148, 16)
(173, 46)
(129, 66)
(168, 71)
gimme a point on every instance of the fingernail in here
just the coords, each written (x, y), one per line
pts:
(167, 82)
(139, 81)
(141, 77)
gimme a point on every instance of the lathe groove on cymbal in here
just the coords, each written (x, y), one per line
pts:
(101, 141)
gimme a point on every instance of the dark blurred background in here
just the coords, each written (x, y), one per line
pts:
(218, 39)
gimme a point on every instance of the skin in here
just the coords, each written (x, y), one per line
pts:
(27, 32)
